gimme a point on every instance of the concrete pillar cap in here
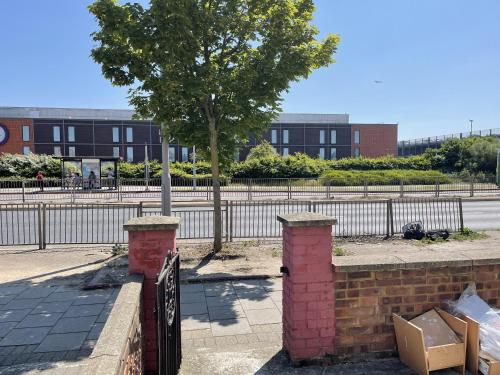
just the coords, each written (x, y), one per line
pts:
(147, 223)
(306, 219)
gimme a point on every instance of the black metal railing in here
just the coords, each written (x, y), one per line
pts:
(168, 317)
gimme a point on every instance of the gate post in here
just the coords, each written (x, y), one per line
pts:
(308, 287)
(150, 239)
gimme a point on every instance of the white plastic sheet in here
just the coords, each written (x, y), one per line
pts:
(472, 305)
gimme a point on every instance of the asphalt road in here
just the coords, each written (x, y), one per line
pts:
(101, 224)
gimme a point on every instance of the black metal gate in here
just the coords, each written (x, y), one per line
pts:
(168, 317)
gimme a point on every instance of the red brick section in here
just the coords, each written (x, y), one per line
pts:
(376, 139)
(148, 248)
(365, 301)
(308, 294)
(15, 143)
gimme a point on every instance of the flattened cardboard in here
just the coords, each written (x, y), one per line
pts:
(436, 331)
(423, 359)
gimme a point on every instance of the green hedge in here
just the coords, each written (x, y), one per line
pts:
(383, 177)
(382, 163)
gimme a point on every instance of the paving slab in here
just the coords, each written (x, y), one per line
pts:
(13, 315)
(90, 299)
(62, 342)
(193, 309)
(84, 310)
(191, 288)
(6, 328)
(39, 320)
(219, 289)
(95, 331)
(247, 284)
(25, 336)
(195, 322)
(51, 307)
(230, 327)
(226, 312)
(6, 299)
(37, 292)
(264, 316)
(19, 304)
(14, 289)
(252, 304)
(70, 325)
(193, 297)
(230, 300)
(62, 296)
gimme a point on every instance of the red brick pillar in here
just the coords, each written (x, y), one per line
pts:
(308, 287)
(150, 239)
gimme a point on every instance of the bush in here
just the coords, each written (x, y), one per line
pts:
(382, 177)
(27, 166)
(382, 163)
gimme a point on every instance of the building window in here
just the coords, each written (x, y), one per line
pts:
(333, 153)
(356, 137)
(285, 151)
(57, 150)
(116, 135)
(130, 135)
(237, 155)
(185, 154)
(71, 133)
(274, 136)
(321, 137)
(26, 133)
(130, 154)
(116, 152)
(322, 153)
(26, 150)
(285, 136)
(56, 133)
(333, 137)
(171, 153)
(71, 151)
(357, 153)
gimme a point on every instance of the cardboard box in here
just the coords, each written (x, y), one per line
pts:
(433, 341)
(478, 362)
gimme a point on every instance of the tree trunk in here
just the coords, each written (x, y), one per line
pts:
(214, 156)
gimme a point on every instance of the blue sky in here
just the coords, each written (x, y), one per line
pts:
(438, 60)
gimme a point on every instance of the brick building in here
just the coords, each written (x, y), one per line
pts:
(105, 133)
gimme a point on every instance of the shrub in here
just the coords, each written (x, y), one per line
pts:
(27, 166)
(382, 177)
(382, 163)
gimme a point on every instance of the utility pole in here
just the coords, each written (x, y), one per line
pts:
(146, 165)
(471, 121)
(166, 182)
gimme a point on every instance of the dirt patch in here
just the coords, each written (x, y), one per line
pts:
(261, 257)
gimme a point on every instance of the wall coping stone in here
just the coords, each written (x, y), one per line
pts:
(105, 359)
(306, 219)
(151, 223)
(415, 261)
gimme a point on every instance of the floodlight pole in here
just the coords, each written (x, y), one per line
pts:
(194, 167)
(166, 182)
(498, 167)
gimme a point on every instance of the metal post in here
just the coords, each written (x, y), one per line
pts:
(139, 210)
(391, 216)
(401, 189)
(289, 189)
(498, 168)
(328, 192)
(227, 221)
(120, 196)
(365, 194)
(250, 189)
(194, 167)
(231, 222)
(166, 182)
(23, 185)
(44, 225)
(40, 233)
(471, 186)
(73, 192)
(461, 213)
(208, 180)
(437, 188)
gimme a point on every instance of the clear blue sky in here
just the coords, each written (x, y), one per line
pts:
(439, 61)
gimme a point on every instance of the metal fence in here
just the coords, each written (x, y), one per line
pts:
(44, 224)
(135, 190)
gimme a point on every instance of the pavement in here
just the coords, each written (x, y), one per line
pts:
(234, 327)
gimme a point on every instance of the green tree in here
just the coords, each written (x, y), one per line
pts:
(262, 151)
(210, 71)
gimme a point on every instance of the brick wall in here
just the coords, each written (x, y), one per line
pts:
(365, 301)
(376, 140)
(15, 143)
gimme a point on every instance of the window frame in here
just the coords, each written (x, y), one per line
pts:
(274, 136)
(286, 136)
(72, 151)
(117, 139)
(71, 134)
(116, 154)
(129, 136)
(332, 151)
(58, 153)
(321, 153)
(357, 137)
(130, 154)
(333, 136)
(26, 138)
(56, 129)
(285, 151)
(26, 150)
(186, 154)
(322, 137)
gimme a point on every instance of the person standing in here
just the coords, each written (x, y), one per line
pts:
(92, 178)
(39, 178)
(110, 176)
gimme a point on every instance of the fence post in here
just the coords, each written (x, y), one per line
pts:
(23, 185)
(249, 189)
(401, 189)
(437, 188)
(289, 189)
(209, 180)
(390, 219)
(44, 225)
(328, 192)
(365, 189)
(227, 220)
(73, 191)
(40, 233)
(461, 214)
(231, 223)
(139, 210)
(120, 198)
(471, 186)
